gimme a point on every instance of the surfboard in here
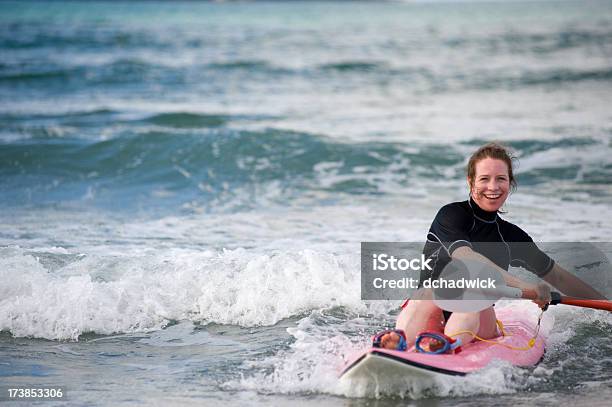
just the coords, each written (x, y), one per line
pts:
(380, 365)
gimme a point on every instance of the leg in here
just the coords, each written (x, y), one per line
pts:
(420, 315)
(482, 323)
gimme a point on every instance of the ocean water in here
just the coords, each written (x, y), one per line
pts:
(184, 187)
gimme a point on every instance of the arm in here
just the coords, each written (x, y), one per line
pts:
(542, 290)
(569, 284)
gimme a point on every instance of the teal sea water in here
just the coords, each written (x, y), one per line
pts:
(184, 186)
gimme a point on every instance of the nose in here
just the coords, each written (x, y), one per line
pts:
(493, 185)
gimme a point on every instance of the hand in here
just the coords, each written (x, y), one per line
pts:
(543, 292)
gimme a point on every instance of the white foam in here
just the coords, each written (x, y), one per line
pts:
(321, 348)
(320, 351)
(131, 294)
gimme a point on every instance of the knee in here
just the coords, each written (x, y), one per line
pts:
(465, 317)
(460, 321)
(419, 312)
(420, 309)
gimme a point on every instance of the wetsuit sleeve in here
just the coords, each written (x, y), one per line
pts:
(451, 227)
(525, 253)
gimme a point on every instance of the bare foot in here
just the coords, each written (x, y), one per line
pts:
(390, 340)
(432, 345)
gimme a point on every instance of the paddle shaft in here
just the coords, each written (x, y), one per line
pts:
(557, 298)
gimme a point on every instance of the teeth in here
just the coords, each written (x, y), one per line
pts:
(493, 196)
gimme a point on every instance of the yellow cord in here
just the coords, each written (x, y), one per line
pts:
(530, 344)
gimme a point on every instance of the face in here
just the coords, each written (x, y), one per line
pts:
(491, 184)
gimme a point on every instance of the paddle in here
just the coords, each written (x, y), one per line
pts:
(557, 298)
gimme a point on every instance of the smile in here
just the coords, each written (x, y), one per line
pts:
(492, 196)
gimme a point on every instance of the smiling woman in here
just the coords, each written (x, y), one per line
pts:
(473, 230)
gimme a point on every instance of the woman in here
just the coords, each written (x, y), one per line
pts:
(473, 230)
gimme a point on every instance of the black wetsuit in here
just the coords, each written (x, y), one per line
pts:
(466, 224)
